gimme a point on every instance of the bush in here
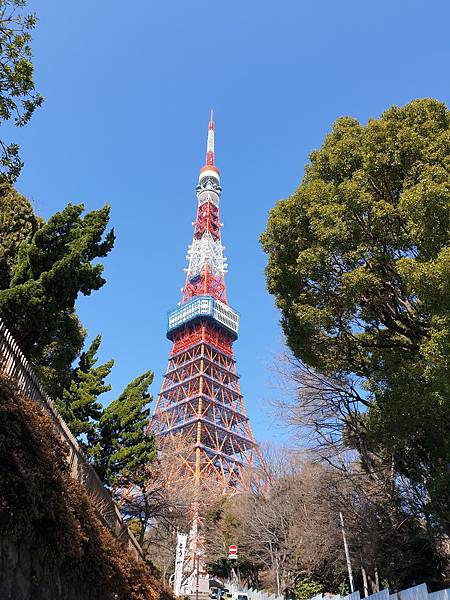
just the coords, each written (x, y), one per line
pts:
(306, 588)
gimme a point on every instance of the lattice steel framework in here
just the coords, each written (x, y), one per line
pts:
(200, 397)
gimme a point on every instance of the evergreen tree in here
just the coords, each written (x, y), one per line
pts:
(79, 405)
(17, 223)
(43, 269)
(123, 450)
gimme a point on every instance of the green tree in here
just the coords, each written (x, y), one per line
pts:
(79, 405)
(43, 269)
(17, 223)
(123, 454)
(359, 264)
(18, 96)
(123, 449)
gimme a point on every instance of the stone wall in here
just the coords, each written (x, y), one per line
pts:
(55, 543)
(24, 575)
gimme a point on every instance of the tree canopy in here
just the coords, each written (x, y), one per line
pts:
(44, 266)
(290, 539)
(79, 405)
(17, 223)
(124, 450)
(359, 264)
(18, 95)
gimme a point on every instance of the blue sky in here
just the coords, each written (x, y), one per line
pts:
(128, 89)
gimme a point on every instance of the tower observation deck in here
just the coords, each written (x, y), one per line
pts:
(200, 398)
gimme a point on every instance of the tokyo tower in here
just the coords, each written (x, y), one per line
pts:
(200, 398)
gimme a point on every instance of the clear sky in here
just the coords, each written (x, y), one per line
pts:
(128, 88)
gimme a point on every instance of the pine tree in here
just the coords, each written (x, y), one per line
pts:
(123, 450)
(43, 269)
(79, 406)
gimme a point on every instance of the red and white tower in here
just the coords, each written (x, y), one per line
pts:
(200, 398)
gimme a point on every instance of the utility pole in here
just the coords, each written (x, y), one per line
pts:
(347, 555)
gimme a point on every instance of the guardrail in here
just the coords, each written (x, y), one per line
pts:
(15, 366)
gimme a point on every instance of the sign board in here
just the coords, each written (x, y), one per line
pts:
(179, 561)
(232, 551)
